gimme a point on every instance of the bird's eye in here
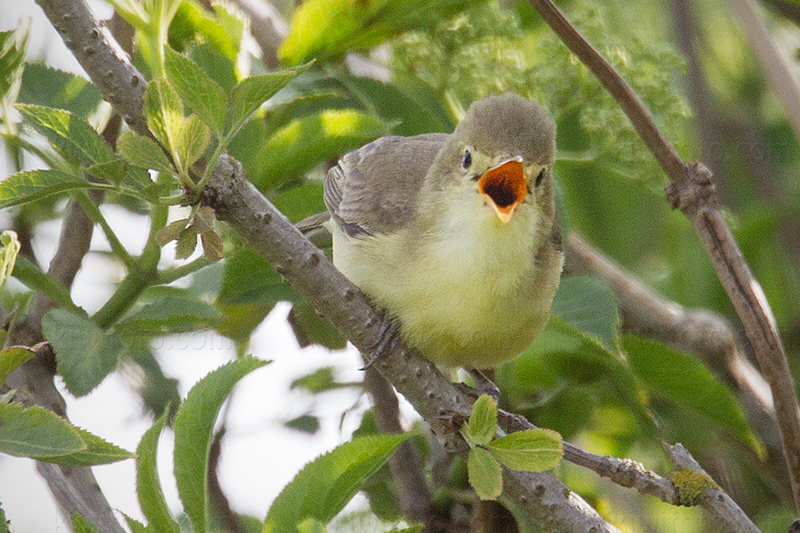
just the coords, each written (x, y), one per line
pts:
(467, 159)
(539, 178)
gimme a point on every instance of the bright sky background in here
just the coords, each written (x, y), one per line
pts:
(259, 455)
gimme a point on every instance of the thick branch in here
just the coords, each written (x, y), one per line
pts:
(303, 266)
(691, 190)
(716, 500)
(107, 64)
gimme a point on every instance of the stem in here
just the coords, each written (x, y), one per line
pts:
(166, 277)
(96, 216)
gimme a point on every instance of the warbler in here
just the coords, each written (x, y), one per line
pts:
(455, 236)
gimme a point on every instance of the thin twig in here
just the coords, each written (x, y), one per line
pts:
(691, 190)
(716, 500)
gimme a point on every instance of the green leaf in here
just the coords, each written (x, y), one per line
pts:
(132, 12)
(3, 521)
(9, 249)
(686, 381)
(11, 358)
(324, 486)
(112, 171)
(588, 304)
(32, 185)
(98, 452)
(485, 474)
(187, 242)
(212, 245)
(328, 28)
(143, 152)
(482, 421)
(81, 525)
(310, 328)
(532, 450)
(13, 45)
(171, 231)
(250, 93)
(36, 432)
(191, 142)
(85, 354)
(135, 525)
(194, 424)
(33, 278)
(202, 94)
(50, 87)
(148, 486)
(300, 202)
(309, 140)
(70, 132)
(170, 314)
(164, 112)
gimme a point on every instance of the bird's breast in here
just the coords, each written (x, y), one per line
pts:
(466, 291)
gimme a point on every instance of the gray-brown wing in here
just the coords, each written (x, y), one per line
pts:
(374, 190)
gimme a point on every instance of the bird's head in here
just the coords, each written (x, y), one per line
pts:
(503, 150)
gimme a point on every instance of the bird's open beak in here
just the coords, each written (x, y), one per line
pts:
(504, 187)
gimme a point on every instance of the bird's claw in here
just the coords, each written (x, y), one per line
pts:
(385, 341)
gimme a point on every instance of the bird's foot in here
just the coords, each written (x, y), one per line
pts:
(483, 385)
(385, 341)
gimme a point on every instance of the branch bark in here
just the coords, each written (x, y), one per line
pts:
(715, 500)
(691, 190)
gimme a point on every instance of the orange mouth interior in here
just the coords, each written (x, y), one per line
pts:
(504, 187)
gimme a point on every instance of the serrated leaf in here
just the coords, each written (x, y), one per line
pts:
(202, 94)
(112, 171)
(482, 421)
(212, 246)
(81, 525)
(98, 452)
(32, 185)
(170, 314)
(171, 231)
(194, 424)
(191, 142)
(250, 93)
(686, 381)
(50, 87)
(143, 152)
(485, 474)
(187, 242)
(134, 525)
(33, 278)
(85, 354)
(69, 132)
(311, 525)
(532, 450)
(324, 486)
(11, 358)
(36, 432)
(588, 304)
(148, 485)
(312, 139)
(164, 112)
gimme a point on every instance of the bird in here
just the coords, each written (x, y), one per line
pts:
(454, 236)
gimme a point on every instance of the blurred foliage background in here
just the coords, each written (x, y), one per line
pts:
(408, 67)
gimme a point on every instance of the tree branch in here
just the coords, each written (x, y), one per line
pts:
(715, 500)
(691, 190)
(268, 27)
